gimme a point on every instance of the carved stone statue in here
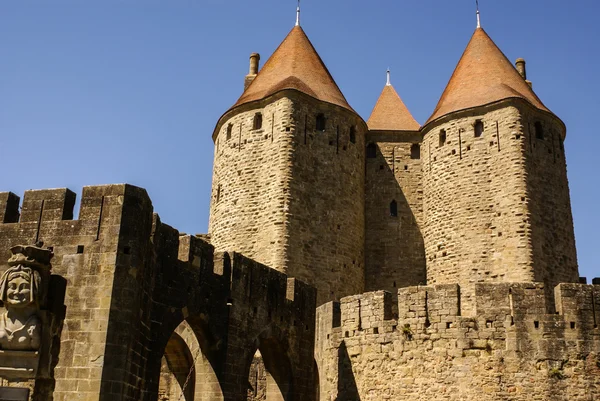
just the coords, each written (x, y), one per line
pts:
(22, 289)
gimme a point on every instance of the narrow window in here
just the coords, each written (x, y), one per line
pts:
(478, 128)
(353, 134)
(394, 209)
(320, 123)
(229, 129)
(257, 121)
(219, 193)
(539, 130)
(415, 151)
(442, 137)
(371, 151)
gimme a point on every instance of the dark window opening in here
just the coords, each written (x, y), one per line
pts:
(218, 193)
(320, 123)
(258, 121)
(415, 151)
(539, 130)
(442, 137)
(478, 128)
(80, 248)
(394, 209)
(371, 151)
(229, 129)
(127, 250)
(352, 134)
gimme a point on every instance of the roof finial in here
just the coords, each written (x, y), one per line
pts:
(389, 82)
(478, 15)
(298, 14)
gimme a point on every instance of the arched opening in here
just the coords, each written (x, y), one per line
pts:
(258, 121)
(175, 368)
(478, 128)
(415, 151)
(270, 377)
(442, 137)
(186, 373)
(371, 151)
(394, 209)
(320, 122)
(229, 130)
(539, 130)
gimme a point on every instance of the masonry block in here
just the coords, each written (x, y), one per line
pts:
(47, 205)
(9, 207)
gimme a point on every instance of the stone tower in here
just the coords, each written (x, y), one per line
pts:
(495, 191)
(395, 256)
(288, 177)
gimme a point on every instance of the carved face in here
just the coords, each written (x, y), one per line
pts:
(18, 293)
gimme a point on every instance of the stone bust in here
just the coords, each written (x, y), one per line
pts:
(21, 288)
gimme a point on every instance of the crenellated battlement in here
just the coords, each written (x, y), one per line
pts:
(502, 310)
(508, 349)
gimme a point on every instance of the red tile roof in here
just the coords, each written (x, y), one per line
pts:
(391, 114)
(295, 65)
(484, 75)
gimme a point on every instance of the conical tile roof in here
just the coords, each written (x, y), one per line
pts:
(391, 114)
(483, 75)
(295, 65)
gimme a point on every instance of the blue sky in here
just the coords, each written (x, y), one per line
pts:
(111, 91)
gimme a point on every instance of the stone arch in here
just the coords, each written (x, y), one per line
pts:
(272, 367)
(185, 356)
(176, 365)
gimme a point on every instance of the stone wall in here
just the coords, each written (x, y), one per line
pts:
(394, 250)
(289, 195)
(132, 283)
(548, 201)
(510, 350)
(478, 195)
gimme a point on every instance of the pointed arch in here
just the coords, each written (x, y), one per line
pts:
(270, 372)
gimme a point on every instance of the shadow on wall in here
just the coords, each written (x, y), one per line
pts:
(395, 250)
(347, 389)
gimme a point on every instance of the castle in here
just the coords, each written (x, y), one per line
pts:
(345, 260)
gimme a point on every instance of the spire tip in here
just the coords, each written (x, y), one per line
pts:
(478, 14)
(389, 81)
(298, 14)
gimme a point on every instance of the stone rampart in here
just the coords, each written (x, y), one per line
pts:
(132, 280)
(510, 350)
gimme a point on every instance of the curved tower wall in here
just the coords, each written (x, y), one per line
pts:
(291, 196)
(249, 178)
(548, 200)
(485, 209)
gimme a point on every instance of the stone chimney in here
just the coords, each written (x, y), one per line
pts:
(254, 65)
(522, 69)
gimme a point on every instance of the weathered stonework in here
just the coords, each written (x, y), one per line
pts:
(137, 292)
(461, 231)
(509, 350)
(289, 195)
(479, 195)
(395, 255)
